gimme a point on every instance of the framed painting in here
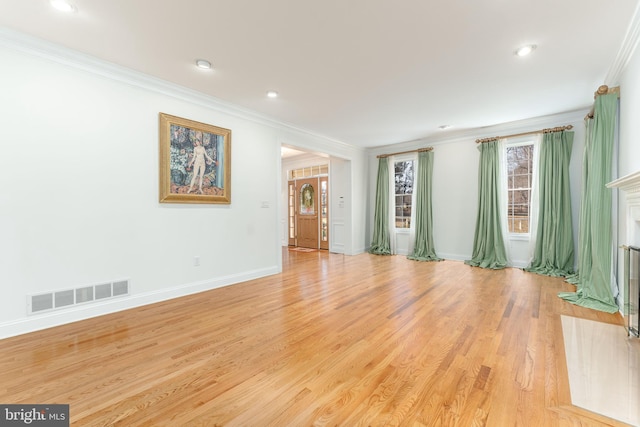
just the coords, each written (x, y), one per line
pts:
(195, 162)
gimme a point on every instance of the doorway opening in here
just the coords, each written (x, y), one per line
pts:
(308, 207)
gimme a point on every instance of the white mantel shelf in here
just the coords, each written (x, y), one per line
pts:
(629, 183)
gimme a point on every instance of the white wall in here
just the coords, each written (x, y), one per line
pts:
(79, 205)
(455, 193)
(455, 185)
(340, 207)
(629, 159)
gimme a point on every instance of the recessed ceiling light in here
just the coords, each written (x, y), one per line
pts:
(272, 94)
(203, 63)
(63, 5)
(526, 50)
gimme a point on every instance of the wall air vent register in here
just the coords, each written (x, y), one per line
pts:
(56, 300)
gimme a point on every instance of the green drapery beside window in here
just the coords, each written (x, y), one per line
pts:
(381, 240)
(593, 279)
(488, 244)
(553, 253)
(424, 249)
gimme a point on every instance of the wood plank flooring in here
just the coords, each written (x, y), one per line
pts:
(332, 341)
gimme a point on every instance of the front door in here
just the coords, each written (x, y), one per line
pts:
(307, 212)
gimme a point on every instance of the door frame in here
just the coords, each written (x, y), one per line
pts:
(323, 209)
(307, 224)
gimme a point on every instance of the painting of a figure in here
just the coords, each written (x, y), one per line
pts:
(195, 161)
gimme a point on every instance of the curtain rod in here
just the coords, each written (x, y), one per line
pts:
(382, 156)
(602, 90)
(549, 130)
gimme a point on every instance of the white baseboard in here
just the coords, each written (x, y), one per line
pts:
(358, 251)
(50, 319)
(519, 264)
(453, 257)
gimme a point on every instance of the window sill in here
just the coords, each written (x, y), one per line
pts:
(518, 236)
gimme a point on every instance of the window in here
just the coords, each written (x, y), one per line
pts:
(403, 192)
(324, 219)
(309, 171)
(519, 176)
(292, 213)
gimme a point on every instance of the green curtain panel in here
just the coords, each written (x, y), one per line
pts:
(380, 244)
(554, 252)
(584, 256)
(593, 279)
(488, 244)
(424, 249)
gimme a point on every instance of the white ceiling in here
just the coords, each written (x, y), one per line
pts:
(286, 152)
(365, 72)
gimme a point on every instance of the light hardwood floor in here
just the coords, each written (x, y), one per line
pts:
(333, 340)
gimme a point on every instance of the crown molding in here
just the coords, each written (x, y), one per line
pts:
(628, 47)
(527, 125)
(43, 49)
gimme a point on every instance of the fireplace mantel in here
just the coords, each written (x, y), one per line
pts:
(629, 183)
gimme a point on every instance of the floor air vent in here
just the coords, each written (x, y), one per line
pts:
(56, 300)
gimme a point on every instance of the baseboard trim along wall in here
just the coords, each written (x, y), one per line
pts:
(50, 319)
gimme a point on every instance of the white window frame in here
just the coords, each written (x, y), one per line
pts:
(408, 234)
(518, 143)
(397, 159)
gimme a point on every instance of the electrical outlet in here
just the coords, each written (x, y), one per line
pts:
(196, 261)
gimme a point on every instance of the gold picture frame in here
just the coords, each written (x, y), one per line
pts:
(195, 162)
